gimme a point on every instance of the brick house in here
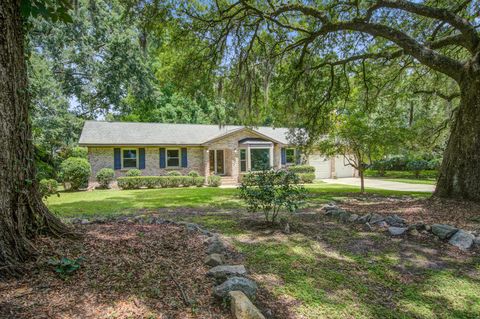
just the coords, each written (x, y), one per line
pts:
(229, 151)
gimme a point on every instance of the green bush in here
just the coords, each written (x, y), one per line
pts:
(434, 164)
(302, 169)
(174, 173)
(193, 174)
(381, 166)
(134, 172)
(75, 171)
(306, 178)
(78, 151)
(270, 191)
(48, 187)
(136, 182)
(105, 176)
(416, 166)
(65, 266)
(214, 181)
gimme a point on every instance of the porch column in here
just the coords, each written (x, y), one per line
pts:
(206, 163)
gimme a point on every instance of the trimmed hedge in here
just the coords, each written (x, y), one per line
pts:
(306, 178)
(136, 182)
(133, 172)
(302, 169)
(75, 171)
(214, 181)
(105, 176)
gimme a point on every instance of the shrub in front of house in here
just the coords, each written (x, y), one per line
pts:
(305, 173)
(306, 178)
(48, 187)
(137, 182)
(301, 169)
(174, 173)
(75, 171)
(193, 174)
(134, 172)
(270, 191)
(214, 181)
(105, 176)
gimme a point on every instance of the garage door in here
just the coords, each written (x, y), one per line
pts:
(321, 164)
(341, 167)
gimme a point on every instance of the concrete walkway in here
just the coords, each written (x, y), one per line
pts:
(381, 184)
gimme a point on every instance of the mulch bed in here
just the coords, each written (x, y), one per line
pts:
(129, 271)
(461, 214)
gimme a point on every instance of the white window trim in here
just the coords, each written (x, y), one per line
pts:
(179, 157)
(286, 157)
(249, 157)
(136, 159)
(240, 159)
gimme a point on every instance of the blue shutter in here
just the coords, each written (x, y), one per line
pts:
(162, 157)
(184, 157)
(141, 157)
(117, 158)
(298, 156)
(284, 156)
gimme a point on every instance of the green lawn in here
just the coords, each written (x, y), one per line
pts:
(117, 202)
(409, 180)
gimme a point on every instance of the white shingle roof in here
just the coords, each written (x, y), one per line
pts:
(130, 133)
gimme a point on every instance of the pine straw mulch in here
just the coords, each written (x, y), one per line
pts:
(129, 271)
(433, 210)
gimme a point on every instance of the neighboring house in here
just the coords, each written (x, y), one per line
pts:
(229, 151)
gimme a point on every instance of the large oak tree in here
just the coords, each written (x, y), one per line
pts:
(23, 215)
(439, 36)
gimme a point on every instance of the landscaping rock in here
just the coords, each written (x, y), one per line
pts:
(413, 232)
(225, 271)
(397, 231)
(443, 231)
(330, 207)
(382, 224)
(242, 307)
(214, 260)
(375, 218)
(216, 246)
(476, 241)
(84, 222)
(462, 240)
(344, 216)
(428, 228)
(395, 221)
(242, 284)
(353, 218)
(364, 219)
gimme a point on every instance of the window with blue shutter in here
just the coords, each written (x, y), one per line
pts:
(141, 153)
(117, 158)
(284, 156)
(162, 157)
(184, 157)
(298, 156)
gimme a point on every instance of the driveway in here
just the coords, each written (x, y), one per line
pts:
(381, 184)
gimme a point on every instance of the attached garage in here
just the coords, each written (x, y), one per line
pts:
(329, 167)
(322, 164)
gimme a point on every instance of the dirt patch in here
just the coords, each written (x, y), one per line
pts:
(462, 214)
(129, 271)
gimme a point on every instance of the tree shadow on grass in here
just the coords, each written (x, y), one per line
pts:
(332, 278)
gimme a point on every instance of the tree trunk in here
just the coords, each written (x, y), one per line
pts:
(362, 179)
(22, 212)
(460, 171)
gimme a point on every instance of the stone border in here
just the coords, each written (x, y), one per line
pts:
(232, 281)
(397, 226)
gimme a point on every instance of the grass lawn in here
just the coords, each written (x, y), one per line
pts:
(409, 180)
(117, 202)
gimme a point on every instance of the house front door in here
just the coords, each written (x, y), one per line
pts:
(217, 162)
